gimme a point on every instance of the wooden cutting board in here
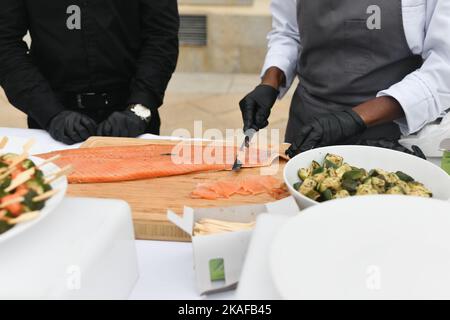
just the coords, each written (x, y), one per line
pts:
(150, 199)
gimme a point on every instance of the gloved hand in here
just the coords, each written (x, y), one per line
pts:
(394, 145)
(256, 107)
(122, 124)
(71, 127)
(327, 130)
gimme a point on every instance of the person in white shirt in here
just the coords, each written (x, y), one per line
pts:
(369, 70)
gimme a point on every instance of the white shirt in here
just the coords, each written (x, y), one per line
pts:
(424, 94)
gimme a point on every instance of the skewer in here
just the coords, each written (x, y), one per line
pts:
(211, 226)
(225, 223)
(24, 217)
(27, 146)
(3, 142)
(6, 173)
(21, 179)
(13, 165)
(214, 229)
(49, 160)
(46, 195)
(55, 176)
(10, 202)
(19, 159)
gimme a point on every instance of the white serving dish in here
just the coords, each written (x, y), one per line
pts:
(432, 176)
(50, 206)
(85, 250)
(372, 247)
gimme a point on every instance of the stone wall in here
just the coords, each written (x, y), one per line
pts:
(237, 39)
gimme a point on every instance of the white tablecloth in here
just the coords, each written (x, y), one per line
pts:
(166, 268)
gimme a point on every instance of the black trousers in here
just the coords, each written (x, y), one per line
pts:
(99, 107)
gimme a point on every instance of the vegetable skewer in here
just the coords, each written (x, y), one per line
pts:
(21, 179)
(24, 189)
(11, 202)
(24, 218)
(45, 196)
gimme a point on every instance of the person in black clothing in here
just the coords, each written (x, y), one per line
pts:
(95, 67)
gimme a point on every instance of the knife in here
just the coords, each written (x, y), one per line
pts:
(445, 145)
(249, 134)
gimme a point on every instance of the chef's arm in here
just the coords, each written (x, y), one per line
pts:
(274, 77)
(159, 52)
(379, 111)
(425, 94)
(280, 66)
(24, 85)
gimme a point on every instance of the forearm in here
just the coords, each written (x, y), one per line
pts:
(379, 111)
(274, 77)
(283, 46)
(25, 86)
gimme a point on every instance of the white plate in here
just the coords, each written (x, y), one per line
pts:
(433, 177)
(368, 247)
(50, 205)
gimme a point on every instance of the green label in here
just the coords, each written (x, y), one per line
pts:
(217, 269)
(446, 162)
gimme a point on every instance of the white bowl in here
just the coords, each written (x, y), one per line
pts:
(433, 177)
(371, 247)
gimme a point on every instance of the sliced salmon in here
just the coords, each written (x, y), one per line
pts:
(250, 185)
(224, 188)
(125, 163)
(260, 184)
(204, 192)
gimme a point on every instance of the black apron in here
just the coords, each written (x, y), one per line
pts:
(344, 63)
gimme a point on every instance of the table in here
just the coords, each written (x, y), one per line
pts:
(166, 268)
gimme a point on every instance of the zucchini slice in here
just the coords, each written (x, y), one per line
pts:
(404, 177)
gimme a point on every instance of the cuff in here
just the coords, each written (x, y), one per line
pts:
(145, 98)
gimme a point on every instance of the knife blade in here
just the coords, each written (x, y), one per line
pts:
(445, 145)
(245, 145)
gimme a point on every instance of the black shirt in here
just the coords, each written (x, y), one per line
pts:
(83, 46)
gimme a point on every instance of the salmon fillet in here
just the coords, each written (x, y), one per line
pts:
(251, 185)
(126, 163)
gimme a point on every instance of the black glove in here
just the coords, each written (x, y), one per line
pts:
(122, 124)
(256, 106)
(394, 145)
(71, 127)
(330, 129)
